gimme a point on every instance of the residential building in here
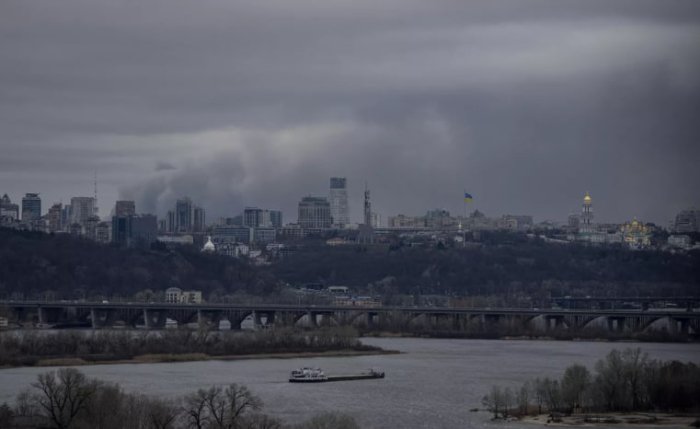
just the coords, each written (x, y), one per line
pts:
(687, 221)
(314, 213)
(102, 233)
(55, 218)
(8, 210)
(338, 198)
(680, 240)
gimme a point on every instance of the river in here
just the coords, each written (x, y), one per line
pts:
(432, 384)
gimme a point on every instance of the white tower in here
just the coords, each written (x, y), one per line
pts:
(586, 224)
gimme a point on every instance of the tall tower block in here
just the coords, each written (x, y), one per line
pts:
(339, 202)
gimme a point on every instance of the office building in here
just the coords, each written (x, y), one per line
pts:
(276, 218)
(171, 222)
(134, 230)
(31, 207)
(338, 199)
(230, 234)
(199, 223)
(125, 208)
(81, 208)
(183, 215)
(253, 217)
(314, 213)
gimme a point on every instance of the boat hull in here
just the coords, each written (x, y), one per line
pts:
(337, 378)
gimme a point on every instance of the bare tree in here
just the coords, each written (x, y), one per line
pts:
(494, 401)
(523, 397)
(240, 400)
(161, 414)
(196, 408)
(63, 395)
(574, 383)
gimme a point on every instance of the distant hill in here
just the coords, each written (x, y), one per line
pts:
(68, 267)
(510, 267)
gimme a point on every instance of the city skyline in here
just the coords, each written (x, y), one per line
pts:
(525, 104)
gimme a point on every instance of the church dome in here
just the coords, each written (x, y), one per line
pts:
(209, 246)
(587, 199)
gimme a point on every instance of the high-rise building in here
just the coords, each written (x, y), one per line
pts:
(183, 215)
(134, 230)
(276, 218)
(31, 207)
(586, 223)
(314, 213)
(368, 208)
(253, 217)
(199, 224)
(81, 208)
(125, 208)
(55, 218)
(338, 198)
(172, 222)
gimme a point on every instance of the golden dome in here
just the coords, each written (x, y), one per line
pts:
(587, 199)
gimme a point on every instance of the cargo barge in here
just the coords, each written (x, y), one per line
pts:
(316, 375)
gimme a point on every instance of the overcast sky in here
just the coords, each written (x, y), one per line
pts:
(525, 104)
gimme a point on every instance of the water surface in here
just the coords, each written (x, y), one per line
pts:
(432, 384)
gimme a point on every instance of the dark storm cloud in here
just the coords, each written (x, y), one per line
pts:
(527, 104)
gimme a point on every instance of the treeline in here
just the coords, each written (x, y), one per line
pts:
(624, 381)
(35, 265)
(511, 267)
(67, 399)
(523, 268)
(29, 348)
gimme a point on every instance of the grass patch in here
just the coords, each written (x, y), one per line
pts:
(170, 357)
(61, 362)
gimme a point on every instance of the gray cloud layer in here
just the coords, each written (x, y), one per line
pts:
(526, 104)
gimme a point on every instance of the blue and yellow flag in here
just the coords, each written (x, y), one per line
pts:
(467, 198)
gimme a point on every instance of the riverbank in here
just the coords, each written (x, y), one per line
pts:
(194, 357)
(561, 336)
(636, 420)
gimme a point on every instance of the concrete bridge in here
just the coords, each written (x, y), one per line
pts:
(159, 315)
